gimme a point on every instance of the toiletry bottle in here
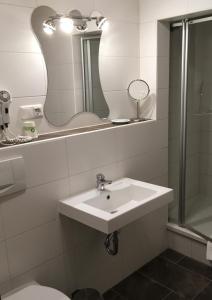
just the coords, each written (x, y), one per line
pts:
(30, 129)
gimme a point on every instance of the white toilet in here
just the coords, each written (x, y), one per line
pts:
(34, 291)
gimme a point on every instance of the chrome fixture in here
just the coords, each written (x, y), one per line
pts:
(73, 20)
(49, 26)
(101, 182)
(101, 22)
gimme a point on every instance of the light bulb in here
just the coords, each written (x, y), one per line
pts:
(66, 25)
(48, 27)
(48, 30)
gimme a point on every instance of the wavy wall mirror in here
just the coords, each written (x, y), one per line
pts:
(70, 45)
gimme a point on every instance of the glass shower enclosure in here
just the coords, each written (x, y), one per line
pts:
(190, 125)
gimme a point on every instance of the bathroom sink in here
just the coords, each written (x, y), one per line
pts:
(121, 203)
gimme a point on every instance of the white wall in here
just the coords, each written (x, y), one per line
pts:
(37, 244)
(23, 71)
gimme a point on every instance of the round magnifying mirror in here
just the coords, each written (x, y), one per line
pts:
(138, 90)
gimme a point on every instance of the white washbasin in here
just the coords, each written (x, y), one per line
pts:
(121, 203)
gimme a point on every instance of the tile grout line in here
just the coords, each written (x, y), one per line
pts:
(118, 294)
(168, 295)
(155, 281)
(184, 268)
(201, 291)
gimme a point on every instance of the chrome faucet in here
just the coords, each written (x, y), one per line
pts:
(101, 182)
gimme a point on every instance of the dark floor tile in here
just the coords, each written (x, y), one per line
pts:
(111, 295)
(197, 267)
(185, 283)
(174, 296)
(138, 287)
(206, 294)
(172, 255)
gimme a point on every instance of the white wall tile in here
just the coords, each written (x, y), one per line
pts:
(198, 252)
(149, 71)
(145, 167)
(123, 37)
(152, 10)
(116, 73)
(130, 140)
(163, 73)
(44, 162)
(179, 243)
(196, 5)
(64, 6)
(162, 180)
(119, 10)
(22, 74)
(33, 248)
(90, 151)
(148, 39)
(4, 270)
(18, 36)
(40, 207)
(162, 103)
(25, 3)
(163, 39)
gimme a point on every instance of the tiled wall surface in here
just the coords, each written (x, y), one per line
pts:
(25, 75)
(37, 244)
(188, 246)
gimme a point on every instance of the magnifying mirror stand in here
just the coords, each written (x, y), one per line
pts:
(137, 119)
(138, 91)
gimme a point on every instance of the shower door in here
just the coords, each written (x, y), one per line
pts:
(191, 126)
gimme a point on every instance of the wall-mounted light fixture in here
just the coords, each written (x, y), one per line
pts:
(66, 24)
(49, 27)
(73, 21)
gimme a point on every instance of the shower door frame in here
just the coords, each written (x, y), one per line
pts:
(185, 23)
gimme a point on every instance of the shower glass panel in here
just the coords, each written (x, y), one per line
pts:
(199, 129)
(190, 125)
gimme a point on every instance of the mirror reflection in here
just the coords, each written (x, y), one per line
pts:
(70, 45)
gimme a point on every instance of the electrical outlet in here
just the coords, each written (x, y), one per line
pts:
(29, 112)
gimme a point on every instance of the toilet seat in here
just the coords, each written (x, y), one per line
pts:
(36, 292)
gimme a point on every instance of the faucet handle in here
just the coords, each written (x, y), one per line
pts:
(100, 177)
